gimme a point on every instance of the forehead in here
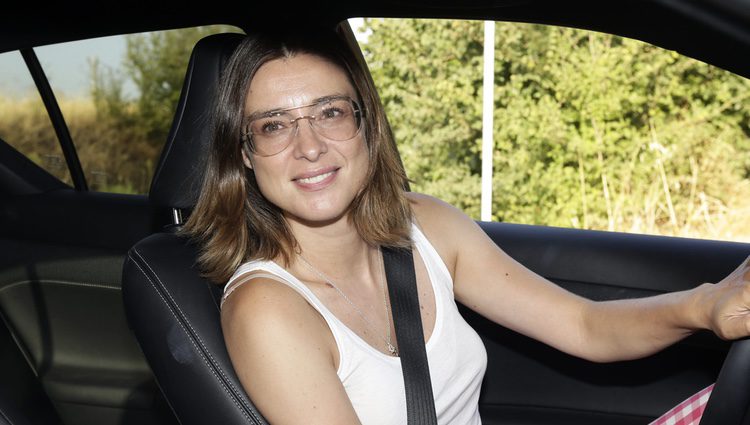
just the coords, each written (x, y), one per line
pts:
(296, 81)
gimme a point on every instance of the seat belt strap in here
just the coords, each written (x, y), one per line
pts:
(402, 288)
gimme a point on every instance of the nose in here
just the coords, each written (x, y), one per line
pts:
(307, 143)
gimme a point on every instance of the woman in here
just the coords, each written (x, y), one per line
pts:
(303, 186)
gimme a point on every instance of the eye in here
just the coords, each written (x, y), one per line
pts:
(332, 112)
(268, 126)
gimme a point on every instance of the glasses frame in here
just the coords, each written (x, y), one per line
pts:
(247, 136)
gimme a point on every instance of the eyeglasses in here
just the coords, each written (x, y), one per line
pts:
(337, 118)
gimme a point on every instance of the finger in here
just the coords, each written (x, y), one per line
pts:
(741, 268)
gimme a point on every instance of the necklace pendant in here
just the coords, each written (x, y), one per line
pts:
(392, 349)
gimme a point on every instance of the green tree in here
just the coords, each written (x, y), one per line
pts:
(156, 63)
(138, 127)
(429, 79)
(591, 130)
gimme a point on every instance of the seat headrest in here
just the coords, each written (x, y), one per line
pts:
(179, 174)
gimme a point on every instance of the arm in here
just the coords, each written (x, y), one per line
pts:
(494, 285)
(284, 355)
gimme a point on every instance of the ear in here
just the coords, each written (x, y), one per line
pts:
(246, 160)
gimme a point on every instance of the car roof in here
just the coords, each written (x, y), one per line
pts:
(715, 31)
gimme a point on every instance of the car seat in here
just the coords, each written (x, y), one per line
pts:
(173, 311)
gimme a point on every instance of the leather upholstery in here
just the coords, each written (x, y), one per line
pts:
(730, 399)
(178, 176)
(175, 315)
(173, 311)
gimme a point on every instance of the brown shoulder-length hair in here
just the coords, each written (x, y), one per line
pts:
(232, 221)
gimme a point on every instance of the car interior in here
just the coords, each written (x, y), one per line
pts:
(106, 319)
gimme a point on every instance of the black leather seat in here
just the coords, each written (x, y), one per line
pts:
(173, 311)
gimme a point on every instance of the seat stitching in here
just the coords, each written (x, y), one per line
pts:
(244, 413)
(194, 332)
(59, 282)
(186, 332)
(180, 323)
(7, 419)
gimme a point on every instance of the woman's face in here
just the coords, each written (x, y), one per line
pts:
(314, 179)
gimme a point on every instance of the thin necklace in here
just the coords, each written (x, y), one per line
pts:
(387, 339)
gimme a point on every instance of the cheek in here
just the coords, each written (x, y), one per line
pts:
(265, 179)
(356, 150)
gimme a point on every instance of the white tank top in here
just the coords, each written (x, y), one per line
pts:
(373, 380)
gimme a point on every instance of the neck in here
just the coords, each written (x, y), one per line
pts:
(336, 249)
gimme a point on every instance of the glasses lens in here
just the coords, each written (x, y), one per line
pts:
(337, 119)
(271, 134)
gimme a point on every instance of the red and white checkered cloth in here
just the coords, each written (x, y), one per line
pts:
(688, 412)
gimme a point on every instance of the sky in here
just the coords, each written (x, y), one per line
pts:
(67, 65)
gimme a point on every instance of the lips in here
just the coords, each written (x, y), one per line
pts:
(316, 179)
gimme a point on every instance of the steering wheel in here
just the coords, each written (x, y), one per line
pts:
(729, 403)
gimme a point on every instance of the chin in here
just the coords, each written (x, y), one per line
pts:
(314, 217)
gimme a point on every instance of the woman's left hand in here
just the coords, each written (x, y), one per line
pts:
(728, 304)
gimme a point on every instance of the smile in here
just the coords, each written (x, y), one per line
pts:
(316, 179)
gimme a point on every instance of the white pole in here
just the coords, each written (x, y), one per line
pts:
(488, 108)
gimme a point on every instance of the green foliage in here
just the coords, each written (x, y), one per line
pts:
(591, 130)
(118, 136)
(156, 63)
(134, 130)
(431, 101)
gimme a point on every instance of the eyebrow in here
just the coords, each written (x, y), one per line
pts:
(276, 111)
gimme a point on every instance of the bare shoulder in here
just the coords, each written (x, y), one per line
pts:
(284, 354)
(443, 224)
(431, 212)
(260, 306)
(423, 202)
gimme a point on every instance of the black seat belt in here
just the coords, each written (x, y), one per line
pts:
(402, 288)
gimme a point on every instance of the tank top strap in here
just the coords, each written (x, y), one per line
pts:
(235, 283)
(271, 270)
(436, 268)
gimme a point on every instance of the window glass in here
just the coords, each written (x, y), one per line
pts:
(118, 96)
(591, 130)
(24, 123)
